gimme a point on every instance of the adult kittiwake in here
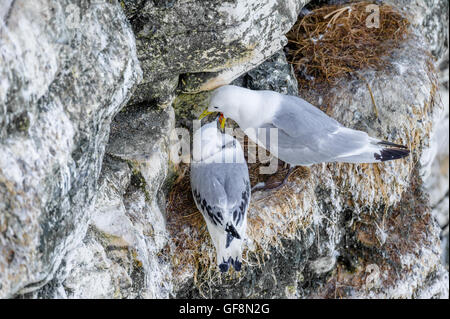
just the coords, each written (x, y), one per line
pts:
(221, 190)
(306, 135)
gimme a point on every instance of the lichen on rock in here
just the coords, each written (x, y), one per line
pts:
(61, 84)
(205, 37)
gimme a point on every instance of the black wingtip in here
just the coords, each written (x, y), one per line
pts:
(230, 238)
(232, 231)
(386, 143)
(388, 154)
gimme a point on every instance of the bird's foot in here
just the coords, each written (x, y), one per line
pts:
(224, 267)
(274, 186)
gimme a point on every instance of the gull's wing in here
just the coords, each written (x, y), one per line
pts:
(306, 135)
(221, 191)
(298, 118)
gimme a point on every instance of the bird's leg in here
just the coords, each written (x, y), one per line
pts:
(283, 182)
(277, 185)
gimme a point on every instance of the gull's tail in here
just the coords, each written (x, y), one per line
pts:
(366, 149)
(390, 151)
(231, 253)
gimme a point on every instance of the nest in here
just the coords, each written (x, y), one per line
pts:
(331, 42)
(188, 230)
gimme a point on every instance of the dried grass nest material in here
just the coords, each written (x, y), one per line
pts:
(331, 42)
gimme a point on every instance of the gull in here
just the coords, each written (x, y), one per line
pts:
(221, 189)
(305, 134)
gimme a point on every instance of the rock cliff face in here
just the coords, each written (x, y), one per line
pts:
(217, 40)
(66, 69)
(87, 216)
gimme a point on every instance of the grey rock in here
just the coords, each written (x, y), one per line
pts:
(436, 175)
(274, 74)
(445, 247)
(122, 253)
(440, 212)
(141, 136)
(221, 40)
(66, 69)
(431, 18)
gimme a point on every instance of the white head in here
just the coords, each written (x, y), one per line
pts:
(229, 100)
(213, 146)
(206, 142)
(246, 107)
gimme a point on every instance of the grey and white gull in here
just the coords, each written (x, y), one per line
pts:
(306, 135)
(221, 189)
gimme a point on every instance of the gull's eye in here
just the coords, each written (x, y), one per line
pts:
(216, 107)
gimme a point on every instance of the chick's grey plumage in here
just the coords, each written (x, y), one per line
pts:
(221, 192)
(218, 186)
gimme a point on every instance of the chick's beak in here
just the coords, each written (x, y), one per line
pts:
(222, 121)
(204, 114)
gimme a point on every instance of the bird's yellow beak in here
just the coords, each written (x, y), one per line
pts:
(204, 114)
(222, 121)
